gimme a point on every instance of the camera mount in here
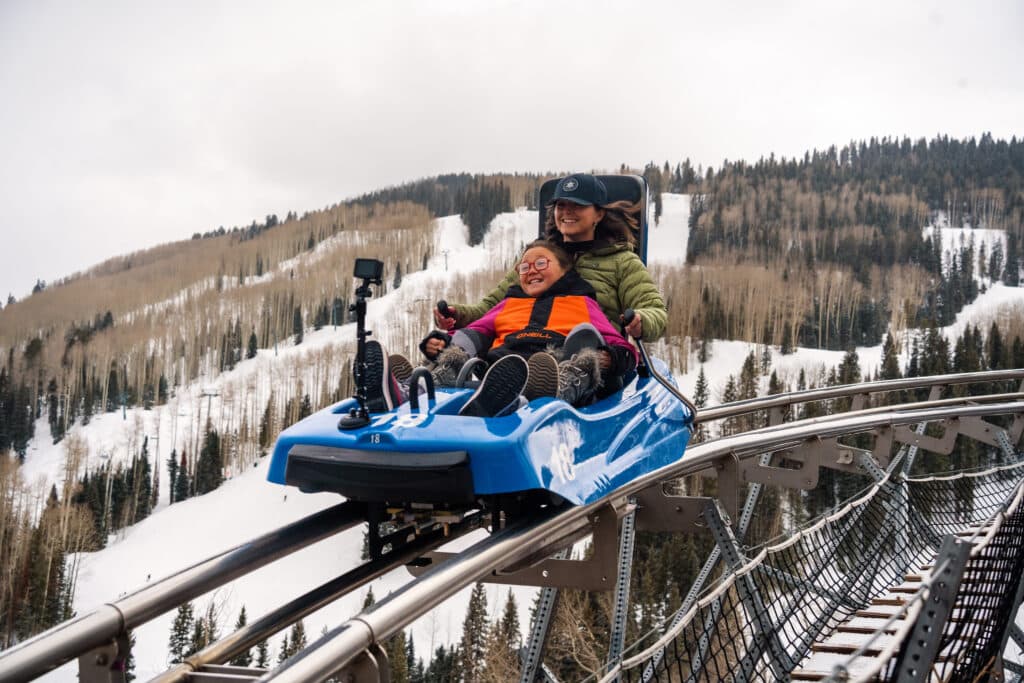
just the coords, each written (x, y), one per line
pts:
(371, 272)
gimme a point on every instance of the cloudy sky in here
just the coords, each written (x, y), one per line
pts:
(127, 123)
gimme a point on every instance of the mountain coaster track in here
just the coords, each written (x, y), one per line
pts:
(788, 455)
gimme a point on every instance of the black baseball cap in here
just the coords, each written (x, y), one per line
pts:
(581, 188)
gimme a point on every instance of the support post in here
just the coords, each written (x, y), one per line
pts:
(533, 655)
(922, 644)
(627, 540)
(766, 640)
(106, 664)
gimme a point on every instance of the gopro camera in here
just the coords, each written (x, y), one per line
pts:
(369, 269)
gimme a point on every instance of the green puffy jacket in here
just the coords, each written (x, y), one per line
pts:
(620, 278)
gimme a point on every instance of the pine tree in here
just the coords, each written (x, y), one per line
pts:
(443, 667)
(504, 641)
(253, 343)
(299, 636)
(305, 407)
(266, 423)
(172, 474)
(161, 391)
(262, 654)
(849, 369)
(198, 640)
(183, 482)
(509, 624)
(243, 658)
(890, 362)
(210, 465)
(748, 384)
(142, 484)
(285, 651)
(994, 347)
(396, 651)
(913, 365)
(417, 672)
(473, 647)
(178, 644)
(40, 606)
(700, 400)
(729, 394)
(297, 327)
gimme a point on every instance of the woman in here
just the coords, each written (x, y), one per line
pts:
(599, 236)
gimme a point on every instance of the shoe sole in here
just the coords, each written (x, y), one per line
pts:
(502, 384)
(378, 396)
(585, 336)
(401, 368)
(543, 378)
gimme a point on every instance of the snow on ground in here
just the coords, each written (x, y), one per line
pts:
(247, 506)
(954, 239)
(667, 239)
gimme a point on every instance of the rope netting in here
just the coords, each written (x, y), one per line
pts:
(759, 621)
(985, 604)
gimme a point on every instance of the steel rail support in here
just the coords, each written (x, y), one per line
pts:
(334, 652)
(289, 613)
(96, 630)
(765, 637)
(533, 655)
(620, 611)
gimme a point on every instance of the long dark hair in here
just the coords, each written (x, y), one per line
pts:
(619, 225)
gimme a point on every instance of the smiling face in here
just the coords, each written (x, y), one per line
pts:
(535, 282)
(577, 222)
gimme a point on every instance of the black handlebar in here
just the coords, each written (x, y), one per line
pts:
(628, 316)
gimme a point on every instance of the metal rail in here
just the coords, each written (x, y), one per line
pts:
(737, 408)
(248, 636)
(67, 641)
(343, 646)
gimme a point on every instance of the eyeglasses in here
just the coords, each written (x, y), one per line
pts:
(541, 263)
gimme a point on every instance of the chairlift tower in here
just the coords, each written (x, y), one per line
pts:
(208, 394)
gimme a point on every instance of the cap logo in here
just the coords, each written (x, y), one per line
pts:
(570, 184)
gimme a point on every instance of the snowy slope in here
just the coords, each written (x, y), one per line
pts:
(246, 506)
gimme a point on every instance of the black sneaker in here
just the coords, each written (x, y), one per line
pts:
(543, 380)
(500, 388)
(583, 336)
(382, 392)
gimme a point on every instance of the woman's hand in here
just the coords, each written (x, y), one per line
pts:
(445, 323)
(635, 328)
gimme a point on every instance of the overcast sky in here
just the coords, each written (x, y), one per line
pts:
(128, 123)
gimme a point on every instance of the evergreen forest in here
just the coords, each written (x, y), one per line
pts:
(825, 251)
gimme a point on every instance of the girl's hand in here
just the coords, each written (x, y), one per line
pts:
(443, 322)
